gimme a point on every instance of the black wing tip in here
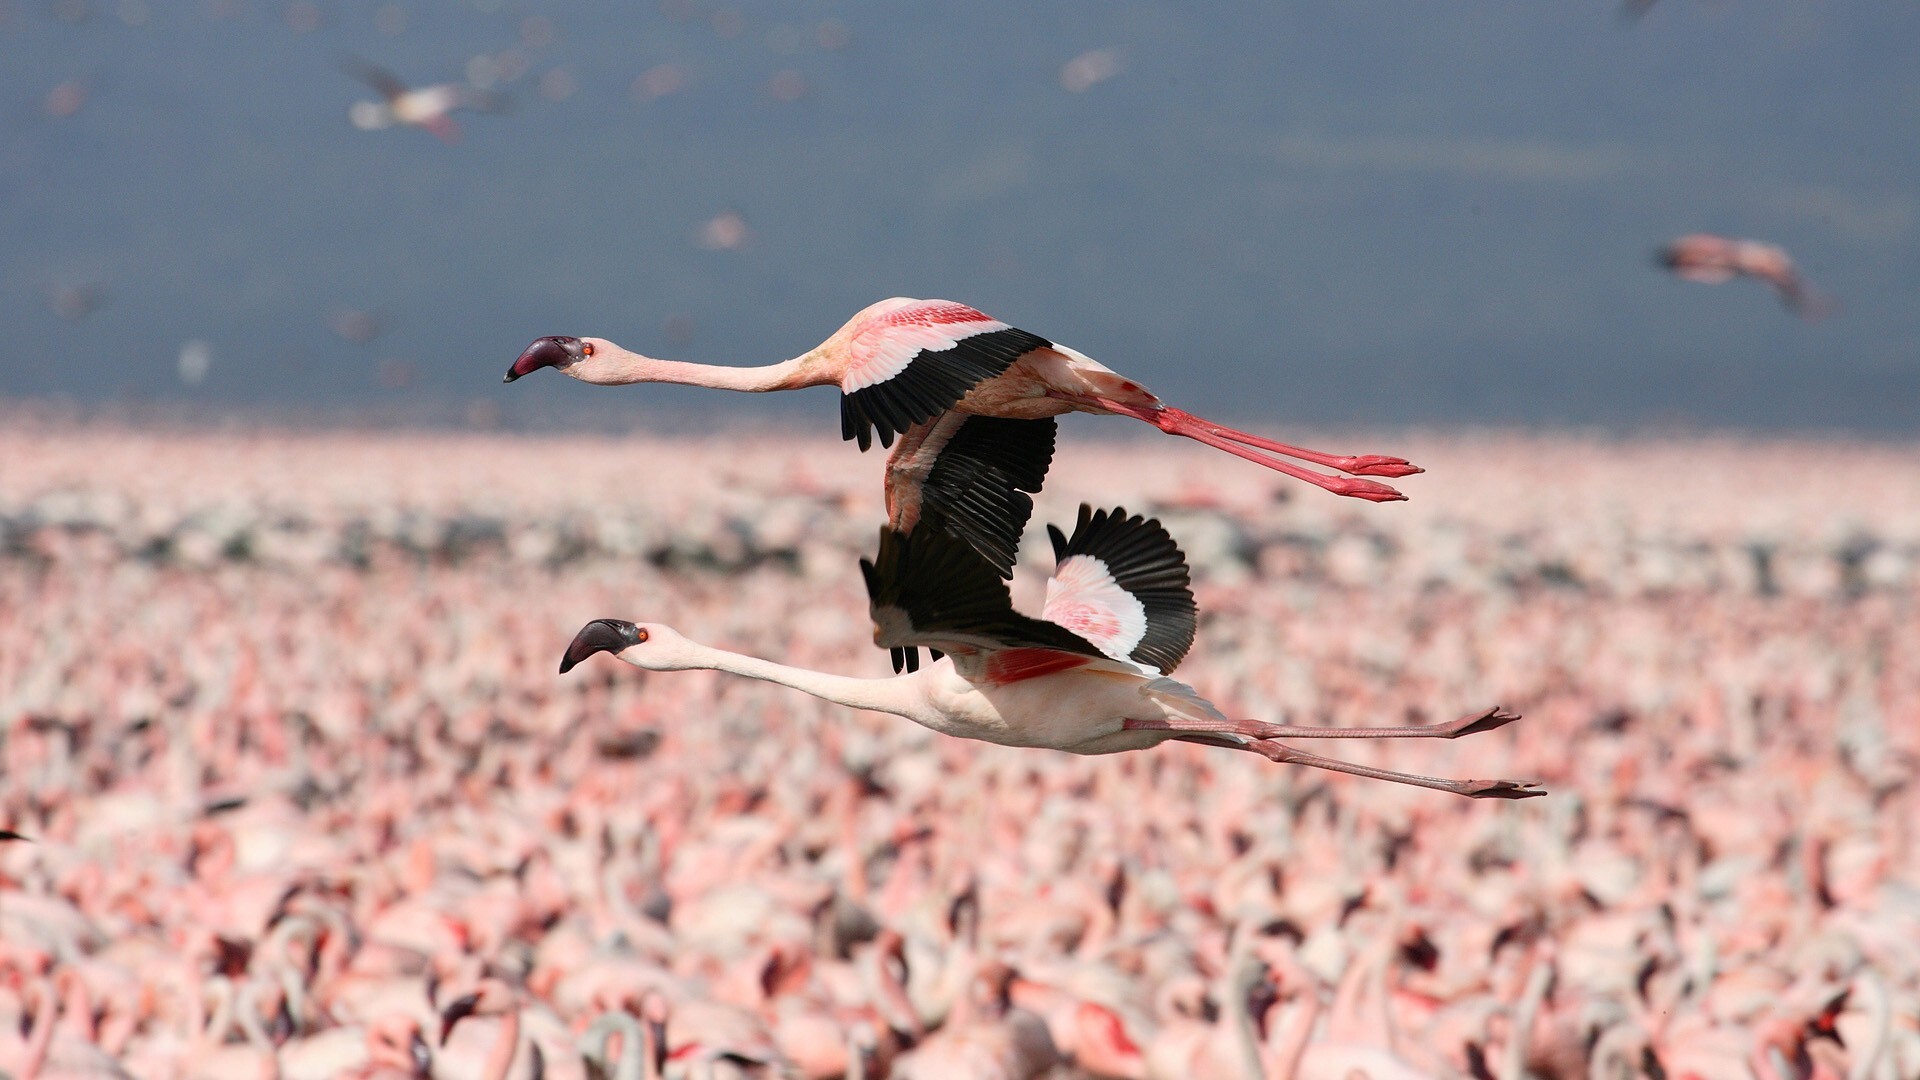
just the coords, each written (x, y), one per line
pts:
(950, 594)
(1145, 561)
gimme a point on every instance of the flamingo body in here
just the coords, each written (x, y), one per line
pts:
(1713, 260)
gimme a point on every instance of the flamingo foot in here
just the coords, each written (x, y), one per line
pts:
(1376, 465)
(1491, 720)
(1501, 789)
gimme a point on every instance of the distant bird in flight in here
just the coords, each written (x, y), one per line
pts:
(1711, 259)
(1086, 677)
(904, 362)
(356, 326)
(426, 107)
(75, 302)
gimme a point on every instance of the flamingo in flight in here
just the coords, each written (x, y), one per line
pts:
(1711, 260)
(1086, 677)
(903, 362)
(425, 107)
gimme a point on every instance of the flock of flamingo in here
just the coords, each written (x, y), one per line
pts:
(293, 790)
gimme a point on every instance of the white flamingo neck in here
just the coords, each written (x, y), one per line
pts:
(620, 367)
(893, 695)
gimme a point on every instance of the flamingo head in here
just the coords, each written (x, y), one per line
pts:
(458, 1010)
(644, 645)
(553, 352)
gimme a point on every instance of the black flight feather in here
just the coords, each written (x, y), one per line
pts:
(933, 381)
(1143, 560)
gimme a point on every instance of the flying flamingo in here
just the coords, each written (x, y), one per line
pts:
(1084, 678)
(425, 107)
(903, 362)
(1711, 260)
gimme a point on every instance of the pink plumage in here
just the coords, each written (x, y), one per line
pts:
(884, 344)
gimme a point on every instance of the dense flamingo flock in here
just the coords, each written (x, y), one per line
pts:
(303, 796)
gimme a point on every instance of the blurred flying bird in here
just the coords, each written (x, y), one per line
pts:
(427, 107)
(66, 99)
(1710, 260)
(1089, 69)
(726, 231)
(356, 326)
(75, 302)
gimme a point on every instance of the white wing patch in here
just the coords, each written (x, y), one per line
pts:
(880, 352)
(1083, 597)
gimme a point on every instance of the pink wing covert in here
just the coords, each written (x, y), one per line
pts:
(908, 361)
(1083, 597)
(890, 338)
(1121, 583)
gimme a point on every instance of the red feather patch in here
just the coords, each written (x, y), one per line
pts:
(1018, 665)
(935, 312)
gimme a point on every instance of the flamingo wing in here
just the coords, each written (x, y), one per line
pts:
(973, 477)
(384, 82)
(1122, 583)
(928, 589)
(914, 359)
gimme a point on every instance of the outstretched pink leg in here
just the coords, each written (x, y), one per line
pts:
(1363, 465)
(1473, 724)
(1258, 738)
(1176, 422)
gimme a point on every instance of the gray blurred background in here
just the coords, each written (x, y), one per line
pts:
(1350, 212)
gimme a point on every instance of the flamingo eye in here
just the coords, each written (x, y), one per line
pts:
(640, 635)
(586, 350)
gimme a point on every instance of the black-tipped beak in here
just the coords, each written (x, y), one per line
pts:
(422, 1057)
(600, 635)
(546, 352)
(459, 1010)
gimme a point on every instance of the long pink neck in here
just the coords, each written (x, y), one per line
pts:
(629, 367)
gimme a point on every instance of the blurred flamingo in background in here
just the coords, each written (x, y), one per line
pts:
(429, 108)
(1711, 260)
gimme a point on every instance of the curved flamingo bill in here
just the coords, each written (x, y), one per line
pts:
(600, 635)
(546, 352)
